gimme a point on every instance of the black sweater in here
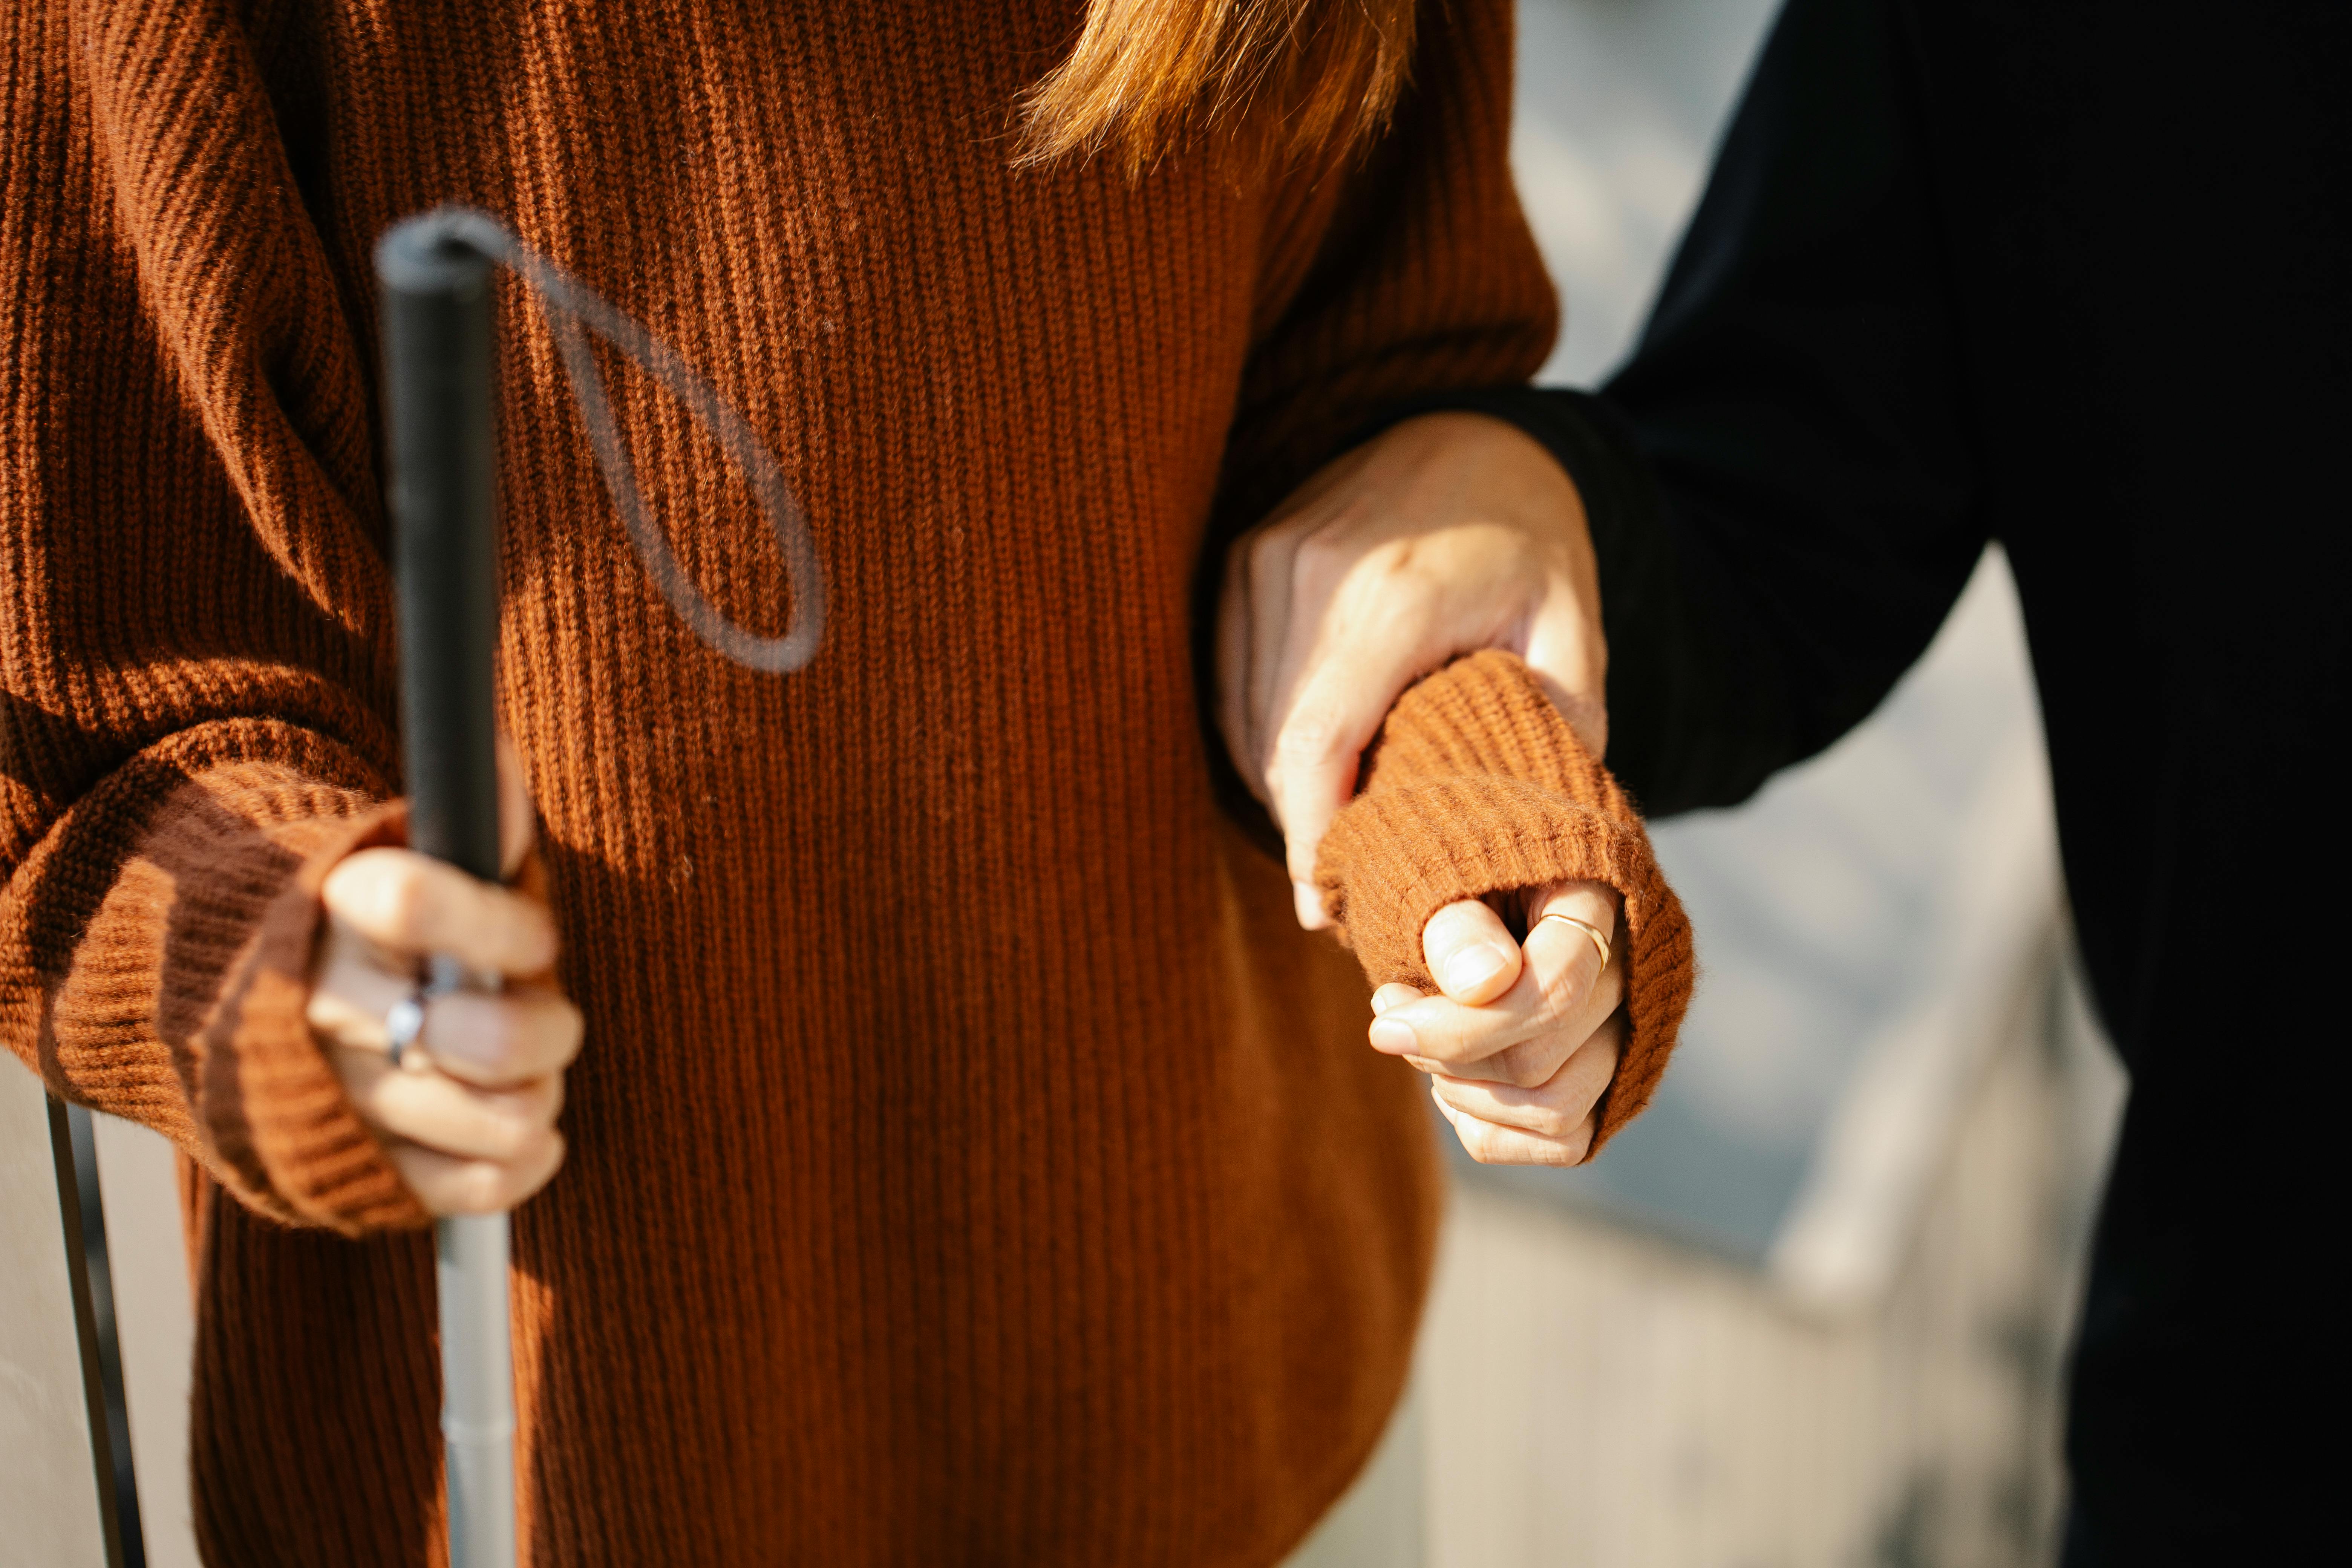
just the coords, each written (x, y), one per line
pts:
(2075, 275)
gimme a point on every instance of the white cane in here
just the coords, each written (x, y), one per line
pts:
(437, 398)
(433, 272)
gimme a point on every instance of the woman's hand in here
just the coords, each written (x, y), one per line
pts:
(1445, 534)
(468, 1116)
(1524, 1036)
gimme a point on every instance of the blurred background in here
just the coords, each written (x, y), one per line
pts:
(1813, 1308)
(1812, 1311)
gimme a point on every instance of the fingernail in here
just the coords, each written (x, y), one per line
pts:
(1471, 968)
(1394, 1036)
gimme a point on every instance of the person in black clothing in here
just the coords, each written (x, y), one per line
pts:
(2076, 276)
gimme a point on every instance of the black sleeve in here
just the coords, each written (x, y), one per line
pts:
(1782, 484)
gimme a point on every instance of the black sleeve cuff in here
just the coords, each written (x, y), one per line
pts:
(1659, 651)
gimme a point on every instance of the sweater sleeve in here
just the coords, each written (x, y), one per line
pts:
(196, 686)
(1475, 785)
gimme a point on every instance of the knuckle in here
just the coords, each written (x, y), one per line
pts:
(1440, 1048)
(475, 1037)
(539, 1104)
(513, 1132)
(354, 879)
(491, 1032)
(530, 1038)
(486, 1183)
(326, 1012)
(437, 1186)
(1394, 560)
(371, 1096)
(503, 1036)
(1307, 741)
(1475, 1136)
(1457, 923)
(525, 1037)
(438, 1194)
(402, 902)
(501, 1139)
(495, 931)
(474, 1186)
(1524, 1069)
(530, 929)
(1560, 998)
(409, 1105)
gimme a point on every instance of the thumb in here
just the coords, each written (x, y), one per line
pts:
(1312, 772)
(1470, 952)
(1338, 710)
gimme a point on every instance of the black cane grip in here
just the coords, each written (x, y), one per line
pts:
(441, 455)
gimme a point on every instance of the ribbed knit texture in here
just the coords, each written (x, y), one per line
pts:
(1475, 785)
(971, 1161)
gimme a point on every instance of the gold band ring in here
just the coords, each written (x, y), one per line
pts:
(1587, 928)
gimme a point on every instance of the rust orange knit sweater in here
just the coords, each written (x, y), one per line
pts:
(970, 1160)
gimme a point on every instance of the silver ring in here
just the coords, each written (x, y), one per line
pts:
(402, 1023)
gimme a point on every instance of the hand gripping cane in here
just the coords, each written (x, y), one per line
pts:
(434, 274)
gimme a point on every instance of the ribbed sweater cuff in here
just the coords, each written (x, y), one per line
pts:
(1478, 785)
(290, 1130)
(184, 1001)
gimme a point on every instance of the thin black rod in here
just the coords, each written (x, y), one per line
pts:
(437, 407)
(73, 1222)
(439, 400)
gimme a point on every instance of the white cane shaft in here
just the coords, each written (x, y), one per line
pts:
(476, 1390)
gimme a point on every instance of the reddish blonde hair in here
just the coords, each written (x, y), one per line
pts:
(1287, 79)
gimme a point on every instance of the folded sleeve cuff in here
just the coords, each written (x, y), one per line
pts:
(1475, 786)
(165, 937)
(274, 1107)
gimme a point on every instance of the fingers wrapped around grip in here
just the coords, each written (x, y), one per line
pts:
(410, 903)
(424, 1104)
(449, 1183)
(467, 1108)
(503, 1040)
